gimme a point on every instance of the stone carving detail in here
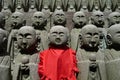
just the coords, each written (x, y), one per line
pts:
(42, 15)
(90, 58)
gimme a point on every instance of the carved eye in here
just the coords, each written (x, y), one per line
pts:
(29, 37)
(20, 37)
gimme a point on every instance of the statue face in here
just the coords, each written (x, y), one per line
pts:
(115, 34)
(38, 19)
(79, 19)
(17, 19)
(26, 37)
(58, 35)
(98, 18)
(59, 17)
(90, 36)
(114, 18)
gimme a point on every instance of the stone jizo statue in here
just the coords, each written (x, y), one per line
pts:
(79, 20)
(113, 18)
(89, 45)
(112, 54)
(59, 18)
(62, 57)
(17, 20)
(26, 60)
(98, 19)
(39, 21)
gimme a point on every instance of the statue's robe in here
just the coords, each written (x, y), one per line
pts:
(74, 38)
(57, 64)
(83, 64)
(112, 58)
(44, 42)
(33, 66)
(5, 67)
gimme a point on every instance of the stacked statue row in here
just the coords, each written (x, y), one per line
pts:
(66, 5)
(71, 20)
(13, 46)
(93, 62)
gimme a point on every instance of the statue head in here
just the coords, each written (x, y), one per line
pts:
(2, 20)
(98, 19)
(89, 37)
(113, 18)
(113, 36)
(26, 38)
(58, 35)
(79, 19)
(17, 20)
(59, 18)
(39, 20)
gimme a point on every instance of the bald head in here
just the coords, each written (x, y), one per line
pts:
(17, 20)
(26, 37)
(114, 18)
(90, 36)
(58, 35)
(79, 19)
(113, 34)
(98, 18)
(89, 27)
(59, 18)
(38, 20)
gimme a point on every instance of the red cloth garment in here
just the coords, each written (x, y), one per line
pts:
(57, 64)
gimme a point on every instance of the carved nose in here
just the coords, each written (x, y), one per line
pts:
(24, 41)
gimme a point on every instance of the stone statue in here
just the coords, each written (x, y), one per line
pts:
(4, 57)
(25, 5)
(79, 20)
(59, 18)
(64, 62)
(39, 22)
(6, 11)
(25, 62)
(71, 6)
(98, 20)
(38, 4)
(89, 45)
(83, 5)
(113, 18)
(94, 73)
(112, 54)
(17, 20)
(12, 5)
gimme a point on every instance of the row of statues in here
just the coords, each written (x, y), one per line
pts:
(93, 62)
(66, 5)
(71, 20)
(94, 37)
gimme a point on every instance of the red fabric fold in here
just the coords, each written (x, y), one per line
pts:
(57, 64)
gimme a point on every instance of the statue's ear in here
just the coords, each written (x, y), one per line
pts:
(109, 40)
(38, 39)
(80, 39)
